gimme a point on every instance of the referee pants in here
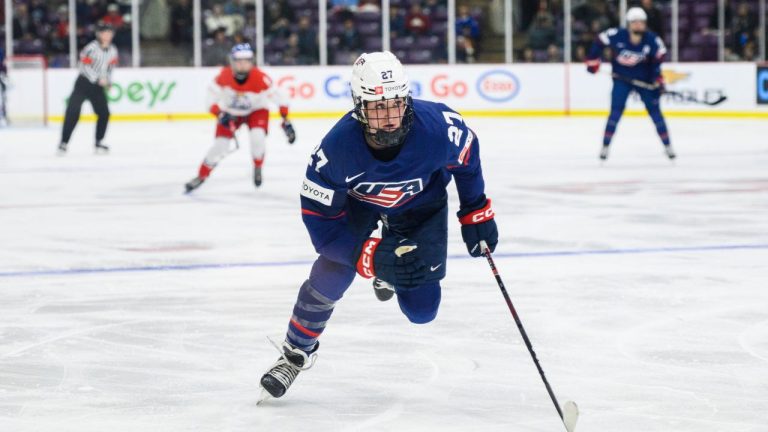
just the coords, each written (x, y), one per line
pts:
(96, 95)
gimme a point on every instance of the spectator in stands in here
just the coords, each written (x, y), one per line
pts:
(249, 31)
(349, 39)
(291, 52)
(417, 23)
(239, 38)
(541, 33)
(181, 22)
(465, 49)
(655, 20)
(528, 55)
(396, 22)
(579, 54)
(216, 51)
(307, 43)
(749, 52)
(553, 54)
(467, 35)
(38, 11)
(22, 22)
(464, 20)
(113, 17)
(217, 19)
(369, 6)
(279, 17)
(743, 28)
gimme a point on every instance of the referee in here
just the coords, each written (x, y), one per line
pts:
(97, 60)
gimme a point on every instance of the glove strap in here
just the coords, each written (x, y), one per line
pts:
(365, 262)
(478, 216)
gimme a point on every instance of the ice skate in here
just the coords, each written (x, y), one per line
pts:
(101, 148)
(278, 379)
(604, 152)
(257, 176)
(670, 152)
(383, 289)
(193, 184)
(62, 149)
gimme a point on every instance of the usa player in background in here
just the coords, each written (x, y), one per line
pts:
(390, 159)
(637, 55)
(240, 95)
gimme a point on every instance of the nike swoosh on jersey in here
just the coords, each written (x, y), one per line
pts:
(433, 268)
(349, 179)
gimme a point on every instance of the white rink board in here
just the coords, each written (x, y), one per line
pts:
(523, 89)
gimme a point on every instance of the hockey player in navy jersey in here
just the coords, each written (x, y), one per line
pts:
(637, 55)
(390, 159)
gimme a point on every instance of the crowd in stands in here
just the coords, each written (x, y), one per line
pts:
(42, 26)
(418, 28)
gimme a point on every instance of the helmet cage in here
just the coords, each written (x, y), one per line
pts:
(380, 136)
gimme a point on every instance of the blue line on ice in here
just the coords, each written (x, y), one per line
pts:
(214, 266)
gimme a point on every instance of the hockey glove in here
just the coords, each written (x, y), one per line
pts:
(226, 119)
(394, 259)
(477, 224)
(660, 83)
(290, 133)
(593, 65)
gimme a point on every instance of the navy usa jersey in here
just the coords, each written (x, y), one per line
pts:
(640, 62)
(342, 168)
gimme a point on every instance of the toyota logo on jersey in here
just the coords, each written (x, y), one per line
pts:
(387, 194)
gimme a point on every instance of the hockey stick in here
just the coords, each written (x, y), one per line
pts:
(681, 96)
(233, 129)
(570, 412)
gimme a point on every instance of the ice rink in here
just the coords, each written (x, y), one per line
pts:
(128, 306)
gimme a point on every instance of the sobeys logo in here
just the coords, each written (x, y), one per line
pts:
(141, 92)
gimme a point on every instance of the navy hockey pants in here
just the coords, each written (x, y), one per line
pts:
(427, 225)
(619, 95)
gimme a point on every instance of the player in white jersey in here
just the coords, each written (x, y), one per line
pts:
(241, 94)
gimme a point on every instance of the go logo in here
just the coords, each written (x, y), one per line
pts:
(442, 87)
(296, 89)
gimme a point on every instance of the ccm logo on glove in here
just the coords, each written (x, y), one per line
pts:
(365, 263)
(478, 216)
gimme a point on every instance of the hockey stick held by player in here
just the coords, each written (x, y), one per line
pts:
(387, 162)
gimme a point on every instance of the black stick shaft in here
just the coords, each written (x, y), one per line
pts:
(487, 253)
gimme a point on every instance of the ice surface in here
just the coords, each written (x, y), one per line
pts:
(128, 306)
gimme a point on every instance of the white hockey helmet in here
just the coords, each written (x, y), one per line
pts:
(636, 14)
(379, 76)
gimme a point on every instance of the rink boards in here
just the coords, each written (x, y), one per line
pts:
(475, 90)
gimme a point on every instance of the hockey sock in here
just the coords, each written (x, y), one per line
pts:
(610, 127)
(258, 162)
(205, 171)
(661, 128)
(310, 315)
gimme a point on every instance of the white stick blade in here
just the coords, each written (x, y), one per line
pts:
(570, 415)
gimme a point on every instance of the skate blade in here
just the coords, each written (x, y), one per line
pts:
(263, 397)
(570, 415)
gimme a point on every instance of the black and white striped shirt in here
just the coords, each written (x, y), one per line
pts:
(96, 63)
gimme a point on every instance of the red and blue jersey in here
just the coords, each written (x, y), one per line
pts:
(439, 147)
(641, 62)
